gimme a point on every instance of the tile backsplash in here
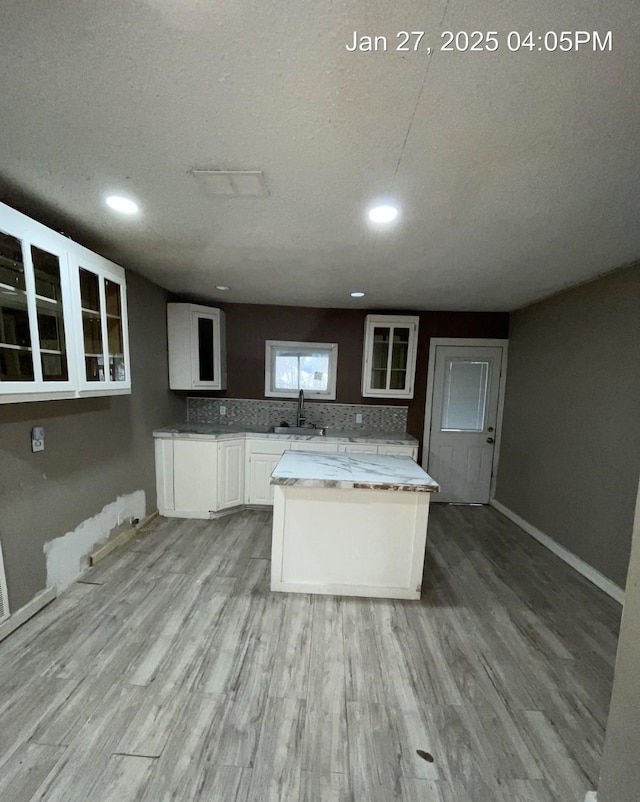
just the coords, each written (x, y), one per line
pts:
(271, 413)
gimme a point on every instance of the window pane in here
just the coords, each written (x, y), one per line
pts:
(205, 349)
(114, 331)
(465, 395)
(16, 360)
(380, 357)
(53, 356)
(91, 325)
(301, 370)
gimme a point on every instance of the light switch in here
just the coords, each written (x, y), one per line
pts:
(37, 438)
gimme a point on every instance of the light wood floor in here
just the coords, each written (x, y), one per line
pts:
(172, 673)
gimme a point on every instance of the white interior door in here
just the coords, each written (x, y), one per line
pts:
(464, 413)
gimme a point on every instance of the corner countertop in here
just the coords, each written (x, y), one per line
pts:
(216, 431)
(347, 471)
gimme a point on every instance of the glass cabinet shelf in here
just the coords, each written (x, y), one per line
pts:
(62, 316)
(389, 358)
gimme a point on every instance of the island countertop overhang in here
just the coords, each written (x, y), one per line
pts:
(352, 471)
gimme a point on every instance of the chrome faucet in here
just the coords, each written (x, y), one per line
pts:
(300, 417)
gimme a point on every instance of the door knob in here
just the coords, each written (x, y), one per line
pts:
(489, 439)
(489, 428)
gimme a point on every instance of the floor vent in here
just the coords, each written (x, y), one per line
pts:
(4, 601)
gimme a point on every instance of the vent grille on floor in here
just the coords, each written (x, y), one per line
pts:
(4, 601)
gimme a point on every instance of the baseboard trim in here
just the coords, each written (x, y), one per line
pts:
(26, 612)
(587, 571)
(147, 520)
(121, 538)
(111, 545)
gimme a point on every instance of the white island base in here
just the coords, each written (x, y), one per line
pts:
(349, 540)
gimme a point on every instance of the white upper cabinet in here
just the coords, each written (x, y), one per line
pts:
(197, 347)
(389, 360)
(44, 329)
(104, 352)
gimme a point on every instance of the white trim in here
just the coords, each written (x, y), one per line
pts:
(434, 343)
(582, 567)
(271, 391)
(4, 592)
(36, 604)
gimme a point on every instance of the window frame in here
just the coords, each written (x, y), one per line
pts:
(271, 346)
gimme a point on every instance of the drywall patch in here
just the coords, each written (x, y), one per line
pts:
(68, 556)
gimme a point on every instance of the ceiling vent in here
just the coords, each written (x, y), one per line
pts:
(232, 183)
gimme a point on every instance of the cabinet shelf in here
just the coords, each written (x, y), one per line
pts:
(56, 297)
(14, 347)
(7, 289)
(389, 358)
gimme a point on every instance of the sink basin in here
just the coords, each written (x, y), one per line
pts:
(306, 430)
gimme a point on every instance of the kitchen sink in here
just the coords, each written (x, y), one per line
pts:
(309, 431)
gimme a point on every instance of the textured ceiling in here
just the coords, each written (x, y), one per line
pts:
(518, 173)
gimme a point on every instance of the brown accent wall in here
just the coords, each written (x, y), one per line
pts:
(96, 450)
(250, 325)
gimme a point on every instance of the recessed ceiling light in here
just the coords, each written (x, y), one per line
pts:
(357, 295)
(383, 213)
(222, 288)
(121, 204)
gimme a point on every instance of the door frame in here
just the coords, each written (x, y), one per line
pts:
(431, 368)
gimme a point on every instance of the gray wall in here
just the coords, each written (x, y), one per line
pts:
(570, 453)
(96, 450)
(620, 771)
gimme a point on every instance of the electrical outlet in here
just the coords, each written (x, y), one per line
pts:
(358, 417)
(223, 411)
(37, 439)
(120, 514)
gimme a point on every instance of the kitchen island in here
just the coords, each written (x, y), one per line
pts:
(349, 524)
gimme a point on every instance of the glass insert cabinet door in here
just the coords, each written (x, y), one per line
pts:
(389, 356)
(63, 316)
(102, 308)
(34, 316)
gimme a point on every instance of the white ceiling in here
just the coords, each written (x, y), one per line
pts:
(518, 173)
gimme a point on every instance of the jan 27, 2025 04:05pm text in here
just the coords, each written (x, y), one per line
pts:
(483, 42)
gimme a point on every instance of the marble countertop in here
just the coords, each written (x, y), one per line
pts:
(347, 471)
(216, 431)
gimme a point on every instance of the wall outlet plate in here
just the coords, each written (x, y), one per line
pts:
(223, 410)
(37, 439)
(358, 417)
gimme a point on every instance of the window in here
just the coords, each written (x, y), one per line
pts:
(291, 367)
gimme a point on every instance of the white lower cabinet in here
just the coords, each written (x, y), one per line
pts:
(327, 448)
(195, 469)
(199, 478)
(259, 487)
(230, 473)
(262, 456)
(399, 451)
(357, 448)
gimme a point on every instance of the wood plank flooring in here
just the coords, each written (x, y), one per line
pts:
(171, 672)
